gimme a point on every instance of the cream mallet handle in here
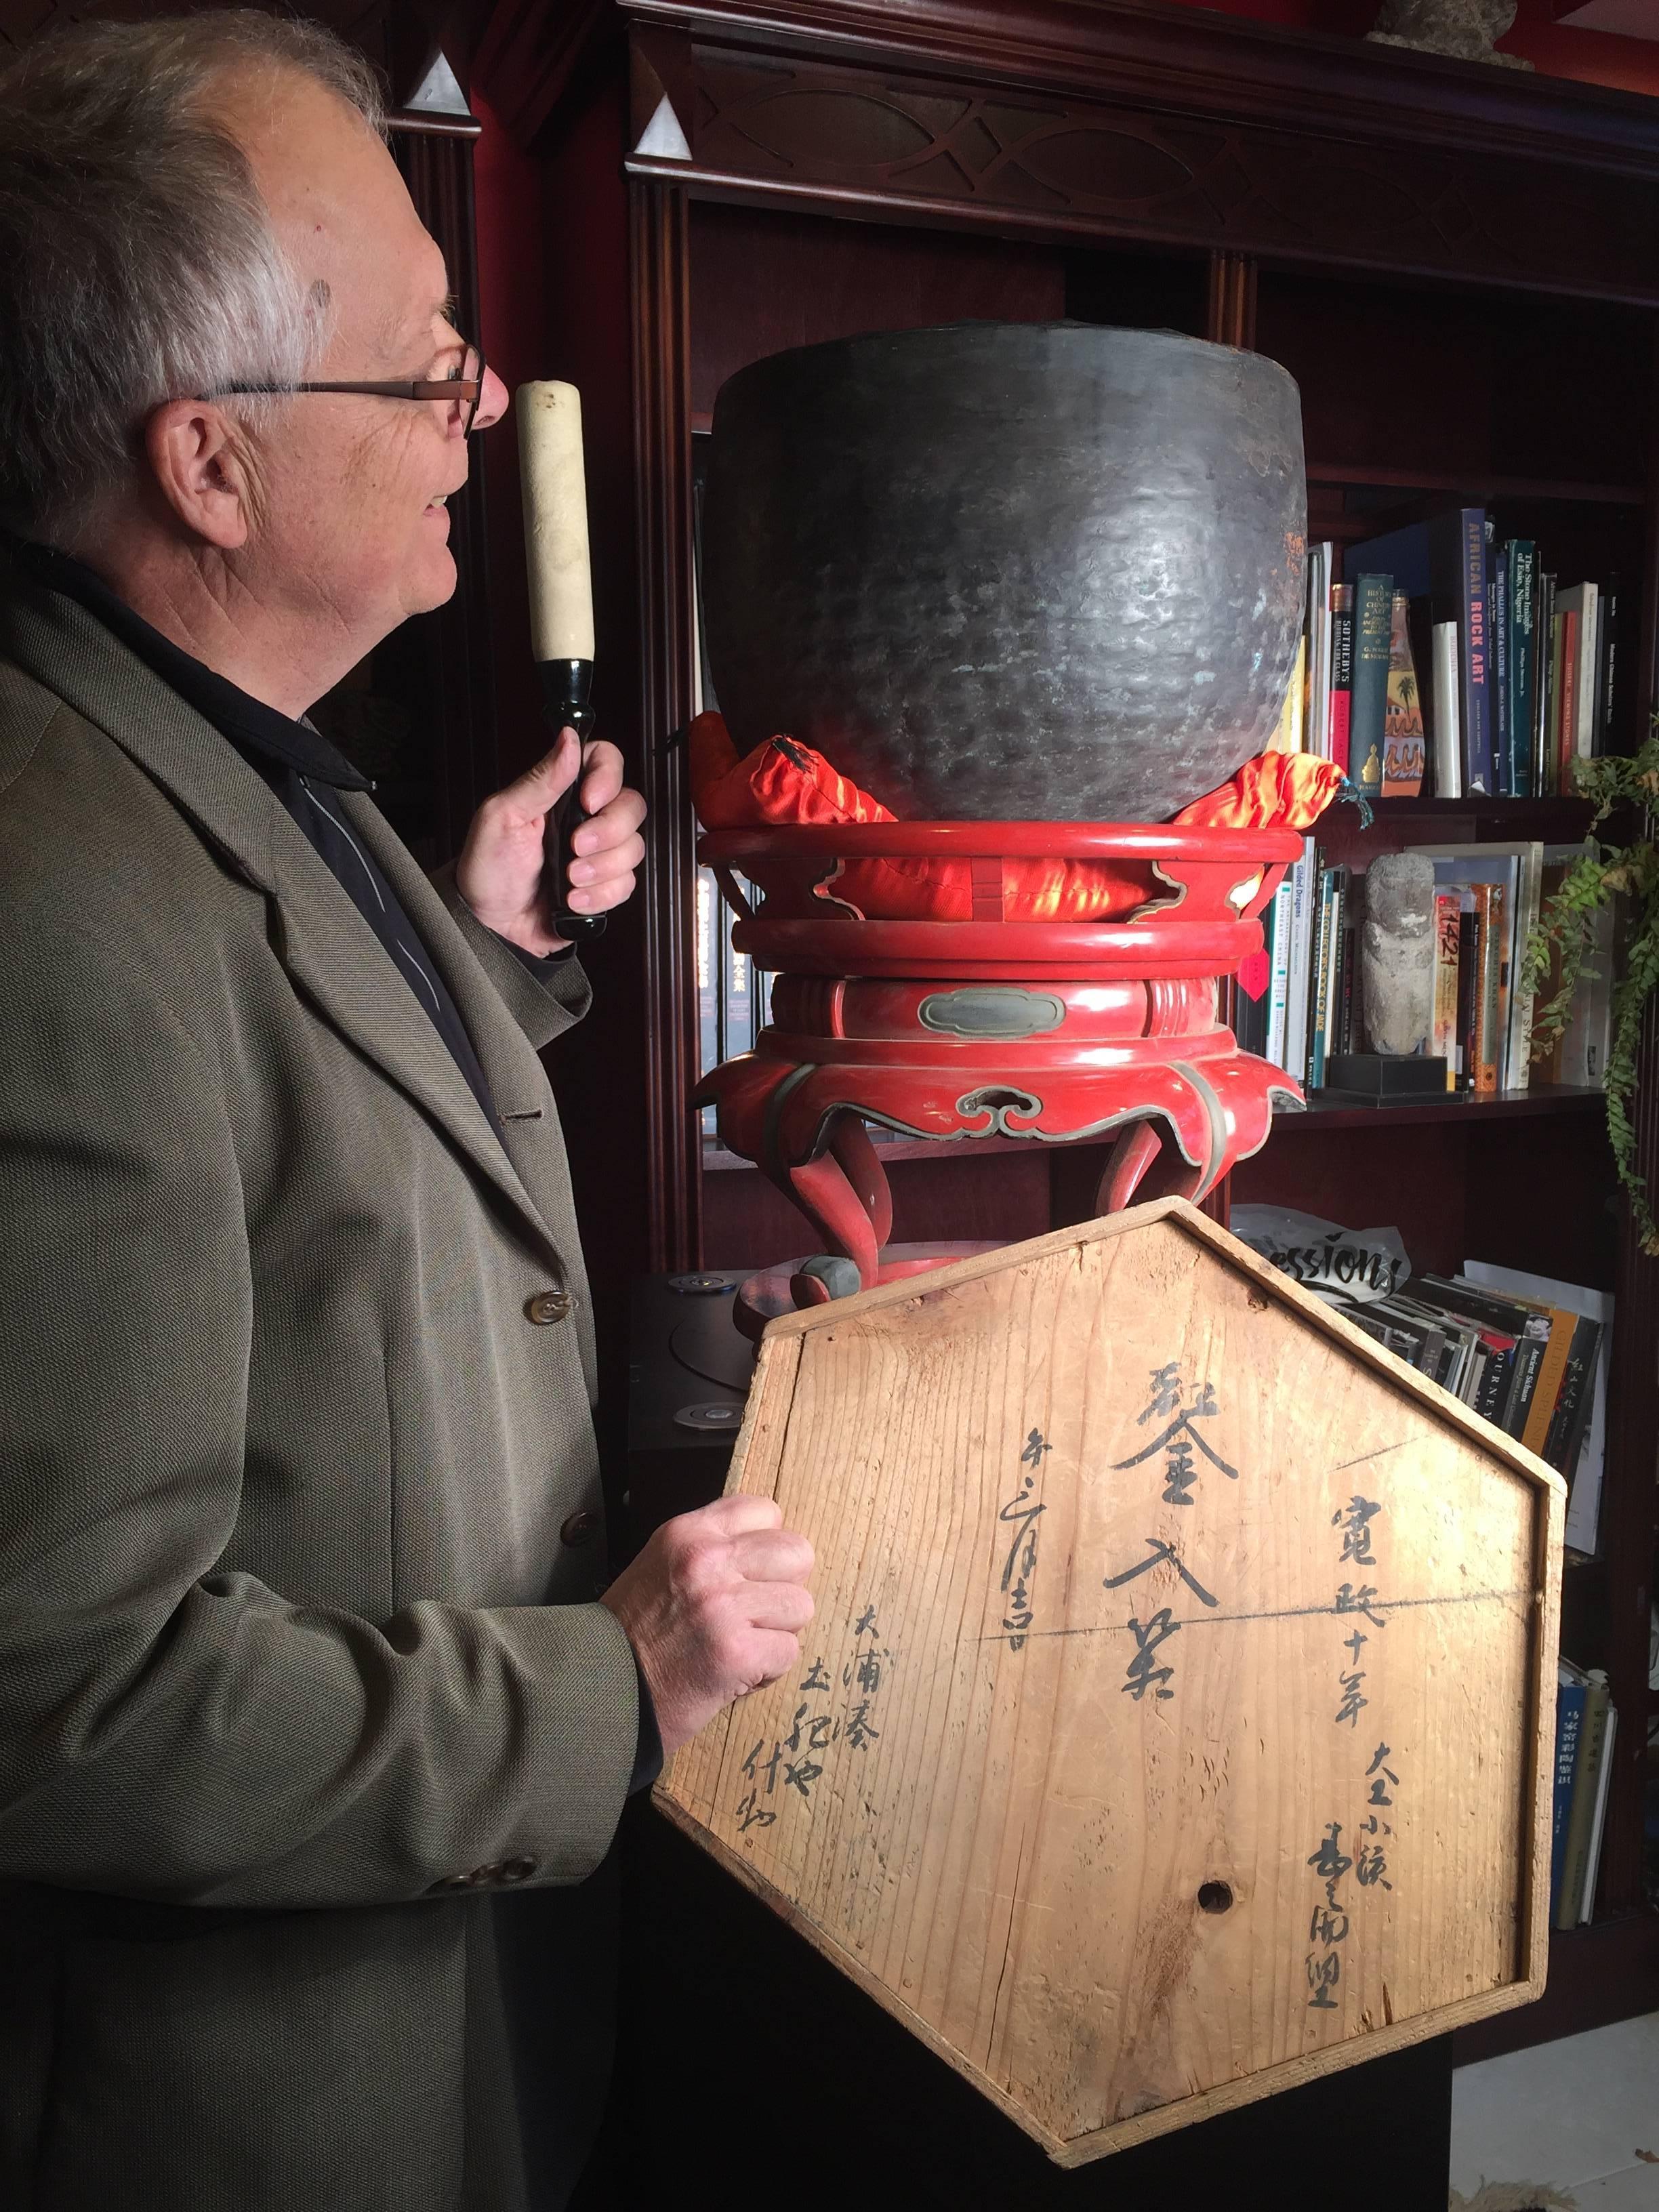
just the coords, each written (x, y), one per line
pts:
(554, 492)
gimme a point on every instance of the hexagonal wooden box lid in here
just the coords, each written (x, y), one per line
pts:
(1176, 1722)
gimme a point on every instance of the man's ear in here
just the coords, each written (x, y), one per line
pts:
(199, 461)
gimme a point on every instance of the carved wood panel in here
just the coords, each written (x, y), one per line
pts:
(881, 139)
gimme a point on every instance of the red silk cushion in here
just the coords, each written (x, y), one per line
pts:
(781, 781)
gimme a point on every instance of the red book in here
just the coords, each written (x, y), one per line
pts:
(1341, 671)
(1567, 728)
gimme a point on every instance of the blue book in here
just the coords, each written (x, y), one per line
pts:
(1373, 608)
(1569, 1723)
(1498, 566)
(1445, 558)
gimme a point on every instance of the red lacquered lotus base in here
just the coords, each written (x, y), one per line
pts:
(1050, 1031)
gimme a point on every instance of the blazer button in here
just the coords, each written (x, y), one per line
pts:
(548, 1306)
(580, 1528)
(518, 1869)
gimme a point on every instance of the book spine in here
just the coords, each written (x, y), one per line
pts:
(1609, 670)
(1568, 1727)
(1289, 731)
(1492, 1394)
(1342, 672)
(1488, 915)
(1468, 982)
(1543, 759)
(1296, 1003)
(1570, 1415)
(1476, 1386)
(1599, 1817)
(1503, 920)
(1445, 1037)
(1528, 877)
(1479, 771)
(1279, 973)
(1587, 1774)
(1447, 713)
(1498, 567)
(1334, 966)
(1373, 604)
(1530, 1352)
(1320, 559)
(1566, 703)
(1547, 1390)
(1586, 1470)
(1523, 661)
(1319, 994)
(1250, 997)
(1583, 725)
(1346, 1041)
(1402, 712)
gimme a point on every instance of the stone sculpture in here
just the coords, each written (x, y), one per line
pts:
(1464, 29)
(1399, 948)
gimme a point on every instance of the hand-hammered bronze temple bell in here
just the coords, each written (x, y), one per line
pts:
(1009, 571)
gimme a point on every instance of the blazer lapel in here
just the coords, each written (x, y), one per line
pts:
(329, 952)
(517, 1081)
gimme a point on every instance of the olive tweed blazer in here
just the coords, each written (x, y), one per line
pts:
(307, 1711)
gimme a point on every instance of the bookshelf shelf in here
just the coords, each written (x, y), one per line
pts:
(1601, 1972)
(1326, 1110)
(1561, 821)
(1473, 485)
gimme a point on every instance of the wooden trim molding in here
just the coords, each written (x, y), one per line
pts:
(1143, 52)
(1195, 162)
(425, 123)
(662, 461)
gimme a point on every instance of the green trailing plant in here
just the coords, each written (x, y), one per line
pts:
(1607, 872)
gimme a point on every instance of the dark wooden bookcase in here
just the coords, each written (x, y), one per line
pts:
(1457, 265)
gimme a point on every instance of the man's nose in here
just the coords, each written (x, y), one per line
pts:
(492, 401)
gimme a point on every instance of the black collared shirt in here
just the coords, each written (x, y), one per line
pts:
(303, 770)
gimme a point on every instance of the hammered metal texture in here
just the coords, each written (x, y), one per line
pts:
(1009, 571)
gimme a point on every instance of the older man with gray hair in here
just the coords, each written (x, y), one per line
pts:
(316, 1716)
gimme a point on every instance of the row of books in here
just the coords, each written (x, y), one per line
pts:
(1297, 1002)
(1446, 656)
(1586, 1723)
(1300, 1000)
(1525, 1351)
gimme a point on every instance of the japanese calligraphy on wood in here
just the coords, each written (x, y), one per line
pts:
(1169, 1729)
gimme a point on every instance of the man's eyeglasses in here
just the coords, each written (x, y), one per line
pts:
(464, 391)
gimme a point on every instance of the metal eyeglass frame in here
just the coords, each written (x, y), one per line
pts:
(468, 389)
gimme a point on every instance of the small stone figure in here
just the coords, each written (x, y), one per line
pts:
(1399, 943)
(1464, 29)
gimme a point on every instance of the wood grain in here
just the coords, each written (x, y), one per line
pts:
(1099, 1889)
